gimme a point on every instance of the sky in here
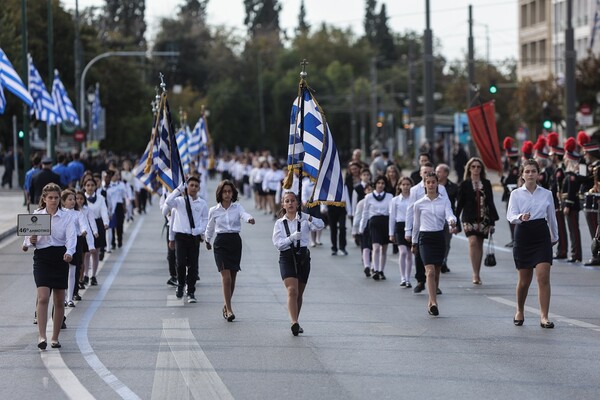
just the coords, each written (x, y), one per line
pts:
(495, 21)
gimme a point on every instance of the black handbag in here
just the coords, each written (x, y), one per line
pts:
(490, 257)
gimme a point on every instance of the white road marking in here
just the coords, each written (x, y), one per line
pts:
(66, 379)
(182, 357)
(554, 317)
(173, 301)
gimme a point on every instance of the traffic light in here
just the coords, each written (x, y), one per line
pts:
(380, 119)
(546, 116)
(493, 87)
(21, 134)
(547, 124)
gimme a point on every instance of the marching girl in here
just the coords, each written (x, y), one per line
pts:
(364, 237)
(89, 248)
(51, 260)
(376, 212)
(224, 220)
(291, 237)
(398, 207)
(99, 213)
(430, 214)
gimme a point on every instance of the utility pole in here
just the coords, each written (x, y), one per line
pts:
(77, 47)
(25, 75)
(570, 55)
(373, 100)
(50, 130)
(428, 76)
(471, 61)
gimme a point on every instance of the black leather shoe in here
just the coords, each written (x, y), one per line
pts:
(547, 325)
(593, 262)
(518, 322)
(295, 329)
(445, 269)
(573, 260)
(438, 291)
(419, 287)
(560, 256)
(368, 272)
(509, 244)
(433, 310)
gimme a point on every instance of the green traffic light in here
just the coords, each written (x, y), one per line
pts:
(547, 124)
(493, 89)
(21, 134)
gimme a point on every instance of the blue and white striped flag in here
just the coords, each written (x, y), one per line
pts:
(317, 152)
(199, 139)
(43, 105)
(182, 145)
(10, 80)
(96, 109)
(61, 100)
(148, 178)
(165, 157)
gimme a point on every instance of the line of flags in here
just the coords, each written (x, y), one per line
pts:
(312, 151)
(50, 108)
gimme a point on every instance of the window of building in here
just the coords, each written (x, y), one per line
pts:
(524, 55)
(523, 15)
(532, 13)
(542, 10)
(542, 51)
(533, 53)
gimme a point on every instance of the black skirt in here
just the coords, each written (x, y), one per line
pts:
(100, 241)
(432, 247)
(295, 264)
(532, 244)
(79, 251)
(400, 235)
(378, 226)
(227, 248)
(49, 268)
(365, 239)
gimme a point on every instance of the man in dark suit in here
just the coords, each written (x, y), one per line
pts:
(416, 175)
(41, 179)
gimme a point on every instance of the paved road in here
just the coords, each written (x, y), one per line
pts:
(130, 338)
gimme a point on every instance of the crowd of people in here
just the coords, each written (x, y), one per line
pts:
(417, 214)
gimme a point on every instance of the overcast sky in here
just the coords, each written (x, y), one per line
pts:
(495, 20)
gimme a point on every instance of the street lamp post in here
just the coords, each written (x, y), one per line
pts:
(113, 54)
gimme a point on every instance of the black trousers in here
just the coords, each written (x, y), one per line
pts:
(119, 221)
(574, 234)
(171, 260)
(563, 241)
(337, 226)
(187, 250)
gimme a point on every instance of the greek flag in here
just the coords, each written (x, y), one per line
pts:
(61, 100)
(316, 154)
(96, 109)
(165, 154)
(198, 140)
(148, 179)
(43, 105)
(10, 80)
(182, 145)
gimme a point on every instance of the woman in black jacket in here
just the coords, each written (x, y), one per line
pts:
(476, 204)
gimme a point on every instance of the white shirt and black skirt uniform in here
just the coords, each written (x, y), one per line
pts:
(49, 268)
(99, 213)
(397, 222)
(429, 218)
(377, 213)
(294, 257)
(226, 223)
(533, 238)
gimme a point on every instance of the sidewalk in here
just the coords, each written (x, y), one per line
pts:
(11, 204)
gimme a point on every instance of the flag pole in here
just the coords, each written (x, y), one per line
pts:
(303, 75)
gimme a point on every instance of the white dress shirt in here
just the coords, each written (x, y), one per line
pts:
(280, 238)
(539, 204)
(398, 207)
(98, 208)
(416, 193)
(431, 215)
(225, 220)
(358, 212)
(181, 222)
(62, 232)
(272, 179)
(374, 207)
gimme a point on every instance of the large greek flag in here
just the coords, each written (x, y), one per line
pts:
(43, 105)
(198, 144)
(165, 154)
(148, 178)
(10, 80)
(316, 154)
(61, 100)
(182, 145)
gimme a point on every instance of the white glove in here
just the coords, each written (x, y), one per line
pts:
(295, 236)
(181, 186)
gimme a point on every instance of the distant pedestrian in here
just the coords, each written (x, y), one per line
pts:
(224, 219)
(40, 179)
(9, 167)
(51, 260)
(397, 223)
(291, 235)
(531, 209)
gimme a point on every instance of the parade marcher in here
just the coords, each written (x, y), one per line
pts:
(397, 223)
(442, 171)
(377, 213)
(189, 232)
(431, 213)
(527, 150)
(543, 159)
(62, 170)
(35, 168)
(9, 167)
(76, 169)
(591, 155)
(510, 179)
(290, 237)
(89, 246)
(170, 236)
(359, 190)
(51, 260)
(116, 196)
(556, 154)
(417, 192)
(224, 219)
(477, 212)
(416, 174)
(271, 183)
(531, 209)
(96, 204)
(459, 159)
(363, 238)
(592, 204)
(40, 179)
(570, 199)
(308, 187)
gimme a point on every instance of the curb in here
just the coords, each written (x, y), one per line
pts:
(10, 232)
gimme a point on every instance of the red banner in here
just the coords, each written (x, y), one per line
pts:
(482, 123)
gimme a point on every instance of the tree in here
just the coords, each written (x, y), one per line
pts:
(262, 16)
(303, 26)
(587, 84)
(370, 23)
(123, 25)
(384, 40)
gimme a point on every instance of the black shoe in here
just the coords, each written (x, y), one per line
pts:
(445, 269)
(334, 252)
(419, 287)
(547, 325)
(573, 260)
(76, 297)
(295, 329)
(382, 276)
(593, 262)
(191, 298)
(64, 324)
(403, 284)
(560, 256)
(86, 280)
(172, 281)
(81, 285)
(368, 272)
(433, 310)
(230, 317)
(343, 253)
(438, 291)
(408, 285)
(94, 281)
(101, 256)
(179, 292)
(509, 244)
(518, 322)
(42, 344)
(55, 345)
(376, 275)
